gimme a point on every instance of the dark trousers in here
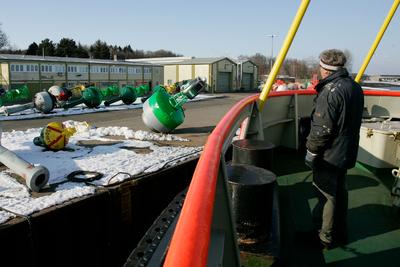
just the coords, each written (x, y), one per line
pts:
(330, 213)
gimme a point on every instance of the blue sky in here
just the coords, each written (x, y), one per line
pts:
(212, 28)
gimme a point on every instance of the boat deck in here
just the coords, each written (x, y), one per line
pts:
(373, 223)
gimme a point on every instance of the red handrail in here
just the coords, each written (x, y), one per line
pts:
(191, 239)
(381, 93)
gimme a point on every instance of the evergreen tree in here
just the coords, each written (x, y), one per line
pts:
(47, 47)
(66, 48)
(82, 51)
(100, 50)
(33, 49)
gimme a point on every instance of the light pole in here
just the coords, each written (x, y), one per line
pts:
(272, 48)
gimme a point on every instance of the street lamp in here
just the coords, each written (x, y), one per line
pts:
(272, 48)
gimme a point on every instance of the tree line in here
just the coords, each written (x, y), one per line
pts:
(68, 47)
(298, 68)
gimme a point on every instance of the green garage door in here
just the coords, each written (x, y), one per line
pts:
(247, 81)
(223, 82)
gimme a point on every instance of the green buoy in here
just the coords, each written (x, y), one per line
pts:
(163, 112)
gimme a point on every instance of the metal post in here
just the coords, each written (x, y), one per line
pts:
(377, 39)
(282, 54)
(272, 49)
(223, 250)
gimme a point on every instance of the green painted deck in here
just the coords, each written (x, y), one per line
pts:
(373, 223)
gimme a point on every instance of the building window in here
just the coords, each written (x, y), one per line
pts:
(72, 69)
(36, 68)
(147, 70)
(81, 69)
(12, 67)
(137, 70)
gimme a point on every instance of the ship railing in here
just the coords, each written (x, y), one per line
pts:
(205, 232)
(205, 235)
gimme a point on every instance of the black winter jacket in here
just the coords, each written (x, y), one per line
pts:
(336, 120)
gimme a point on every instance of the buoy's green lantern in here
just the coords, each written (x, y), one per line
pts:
(128, 94)
(14, 95)
(163, 112)
(91, 97)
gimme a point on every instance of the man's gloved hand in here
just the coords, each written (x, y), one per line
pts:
(310, 159)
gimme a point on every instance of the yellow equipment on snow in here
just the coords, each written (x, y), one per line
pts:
(54, 136)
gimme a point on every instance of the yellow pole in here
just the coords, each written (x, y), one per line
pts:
(377, 40)
(282, 54)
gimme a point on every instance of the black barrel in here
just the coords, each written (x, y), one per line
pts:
(253, 152)
(251, 189)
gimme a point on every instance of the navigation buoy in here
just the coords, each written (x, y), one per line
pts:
(163, 112)
(91, 97)
(54, 136)
(44, 102)
(127, 95)
(60, 94)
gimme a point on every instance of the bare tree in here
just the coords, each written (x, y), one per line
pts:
(261, 61)
(3, 38)
(349, 57)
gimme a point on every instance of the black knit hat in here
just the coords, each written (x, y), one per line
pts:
(332, 59)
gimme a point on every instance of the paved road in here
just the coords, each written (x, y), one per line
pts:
(201, 118)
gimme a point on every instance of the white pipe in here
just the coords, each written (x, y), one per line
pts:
(17, 108)
(35, 176)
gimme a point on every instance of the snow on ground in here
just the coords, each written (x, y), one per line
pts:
(113, 160)
(82, 109)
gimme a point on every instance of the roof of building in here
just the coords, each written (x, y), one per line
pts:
(9, 57)
(186, 60)
(199, 61)
(160, 60)
(244, 61)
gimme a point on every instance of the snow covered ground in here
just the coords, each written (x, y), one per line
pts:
(116, 158)
(113, 161)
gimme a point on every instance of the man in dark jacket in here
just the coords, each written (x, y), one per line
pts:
(332, 144)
